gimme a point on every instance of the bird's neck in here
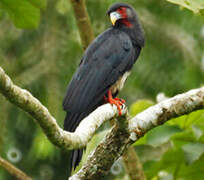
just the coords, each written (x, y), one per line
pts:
(134, 31)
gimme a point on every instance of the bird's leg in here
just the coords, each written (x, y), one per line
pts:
(117, 101)
(105, 98)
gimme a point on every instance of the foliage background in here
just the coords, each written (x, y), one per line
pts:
(42, 59)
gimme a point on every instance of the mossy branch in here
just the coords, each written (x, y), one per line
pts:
(132, 165)
(119, 139)
(63, 139)
(122, 135)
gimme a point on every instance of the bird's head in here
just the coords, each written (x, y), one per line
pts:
(123, 16)
(121, 13)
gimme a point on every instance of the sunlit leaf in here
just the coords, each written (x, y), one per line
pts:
(169, 162)
(41, 147)
(140, 106)
(22, 12)
(39, 3)
(187, 121)
(193, 151)
(197, 132)
(197, 6)
(183, 138)
(161, 134)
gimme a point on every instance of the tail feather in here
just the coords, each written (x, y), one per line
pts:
(76, 156)
(71, 122)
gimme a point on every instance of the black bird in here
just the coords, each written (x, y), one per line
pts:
(103, 69)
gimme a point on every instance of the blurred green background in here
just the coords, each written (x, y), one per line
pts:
(44, 58)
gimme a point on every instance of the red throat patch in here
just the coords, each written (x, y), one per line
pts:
(122, 11)
(126, 22)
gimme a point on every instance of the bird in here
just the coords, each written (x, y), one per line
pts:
(103, 69)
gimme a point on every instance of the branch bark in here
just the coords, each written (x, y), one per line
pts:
(119, 139)
(63, 139)
(13, 170)
(132, 164)
(122, 135)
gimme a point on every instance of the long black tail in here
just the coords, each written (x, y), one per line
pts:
(71, 122)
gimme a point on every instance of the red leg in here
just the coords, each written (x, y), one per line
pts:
(118, 102)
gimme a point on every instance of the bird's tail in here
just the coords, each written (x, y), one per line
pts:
(71, 122)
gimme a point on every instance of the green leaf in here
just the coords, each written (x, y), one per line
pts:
(169, 163)
(63, 6)
(41, 147)
(186, 121)
(23, 13)
(140, 106)
(193, 151)
(197, 132)
(150, 153)
(197, 6)
(161, 134)
(194, 171)
(183, 138)
(39, 3)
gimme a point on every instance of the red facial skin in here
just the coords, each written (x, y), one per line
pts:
(123, 12)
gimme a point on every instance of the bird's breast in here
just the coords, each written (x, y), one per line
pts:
(119, 83)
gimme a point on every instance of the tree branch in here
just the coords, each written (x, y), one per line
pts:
(83, 22)
(13, 170)
(119, 139)
(132, 164)
(160, 113)
(122, 134)
(63, 139)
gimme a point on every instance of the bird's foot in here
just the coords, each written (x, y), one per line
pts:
(121, 100)
(116, 101)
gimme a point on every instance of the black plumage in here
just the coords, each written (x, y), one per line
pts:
(104, 62)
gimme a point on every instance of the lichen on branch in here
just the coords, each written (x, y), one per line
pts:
(63, 139)
(122, 134)
(102, 158)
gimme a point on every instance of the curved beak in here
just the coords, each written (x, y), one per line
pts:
(114, 16)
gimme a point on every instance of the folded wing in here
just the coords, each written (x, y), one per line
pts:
(104, 62)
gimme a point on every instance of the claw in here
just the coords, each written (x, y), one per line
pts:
(122, 100)
(117, 101)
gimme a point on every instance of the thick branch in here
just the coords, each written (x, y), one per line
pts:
(83, 22)
(160, 113)
(13, 170)
(63, 139)
(132, 164)
(101, 160)
(118, 140)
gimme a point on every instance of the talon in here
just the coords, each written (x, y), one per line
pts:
(122, 100)
(117, 101)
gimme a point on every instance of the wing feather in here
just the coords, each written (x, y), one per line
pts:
(106, 59)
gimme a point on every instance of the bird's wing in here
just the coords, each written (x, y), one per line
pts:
(105, 60)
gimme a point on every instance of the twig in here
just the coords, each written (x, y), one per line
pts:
(13, 170)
